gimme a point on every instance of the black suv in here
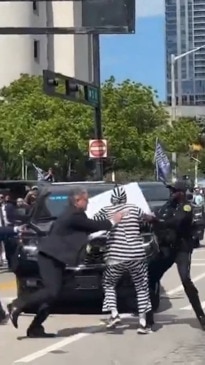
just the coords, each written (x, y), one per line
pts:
(83, 281)
(156, 193)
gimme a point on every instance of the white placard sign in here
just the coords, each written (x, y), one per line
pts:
(134, 196)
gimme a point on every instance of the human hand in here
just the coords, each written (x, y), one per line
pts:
(21, 228)
(150, 217)
(117, 217)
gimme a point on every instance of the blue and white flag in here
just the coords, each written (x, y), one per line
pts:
(40, 172)
(163, 166)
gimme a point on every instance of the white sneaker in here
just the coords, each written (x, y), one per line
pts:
(113, 321)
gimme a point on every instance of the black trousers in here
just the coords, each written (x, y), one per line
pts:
(51, 272)
(10, 248)
(183, 262)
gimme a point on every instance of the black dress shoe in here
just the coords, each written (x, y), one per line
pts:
(14, 313)
(202, 322)
(38, 332)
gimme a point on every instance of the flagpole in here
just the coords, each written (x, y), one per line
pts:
(156, 166)
(21, 153)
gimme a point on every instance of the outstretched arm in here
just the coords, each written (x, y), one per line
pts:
(101, 215)
(82, 222)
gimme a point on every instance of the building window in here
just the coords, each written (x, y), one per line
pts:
(191, 98)
(36, 50)
(35, 5)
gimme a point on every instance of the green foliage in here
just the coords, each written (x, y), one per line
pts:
(53, 132)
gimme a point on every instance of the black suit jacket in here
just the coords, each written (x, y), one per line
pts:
(14, 215)
(69, 235)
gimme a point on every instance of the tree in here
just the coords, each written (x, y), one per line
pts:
(53, 132)
(49, 130)
(131, 114)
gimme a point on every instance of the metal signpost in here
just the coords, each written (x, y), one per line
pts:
(98, 17)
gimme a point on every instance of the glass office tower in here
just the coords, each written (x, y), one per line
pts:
(185, 30)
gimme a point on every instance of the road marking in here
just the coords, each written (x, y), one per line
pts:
(180, 287)
(8, 285)
(189, 307)
(54, 347)
(199, 251)
(66, 341)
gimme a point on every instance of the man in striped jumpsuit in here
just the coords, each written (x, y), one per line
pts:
(125, 252)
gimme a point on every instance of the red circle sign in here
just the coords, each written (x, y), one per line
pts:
(98, 148)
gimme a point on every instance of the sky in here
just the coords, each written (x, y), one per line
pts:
(139, 57)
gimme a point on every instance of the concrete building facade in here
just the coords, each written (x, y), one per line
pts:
(67, 54)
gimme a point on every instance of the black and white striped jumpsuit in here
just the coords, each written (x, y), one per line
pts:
(125, 252)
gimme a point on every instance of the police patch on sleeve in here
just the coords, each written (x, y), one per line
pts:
(187, 208)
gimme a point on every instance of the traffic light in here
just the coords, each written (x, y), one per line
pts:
(65, 87)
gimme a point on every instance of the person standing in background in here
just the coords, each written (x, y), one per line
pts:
(49, 176)
(31, 196)
(21, 207)
(198, 198)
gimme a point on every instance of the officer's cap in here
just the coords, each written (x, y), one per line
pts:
(178, 186)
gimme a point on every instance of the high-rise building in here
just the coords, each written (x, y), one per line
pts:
(67, 54)
(185, 30)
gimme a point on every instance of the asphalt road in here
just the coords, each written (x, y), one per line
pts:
(83, 340)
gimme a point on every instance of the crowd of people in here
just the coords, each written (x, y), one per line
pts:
(13, 212)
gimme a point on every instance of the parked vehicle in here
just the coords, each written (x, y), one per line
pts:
(155, 193)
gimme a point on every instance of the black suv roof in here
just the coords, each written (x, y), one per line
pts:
(150, 183)
(55, 187)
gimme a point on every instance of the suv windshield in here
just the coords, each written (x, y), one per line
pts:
(155, 192)
(55, 203)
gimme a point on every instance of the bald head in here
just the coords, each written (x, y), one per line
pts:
(78, 197)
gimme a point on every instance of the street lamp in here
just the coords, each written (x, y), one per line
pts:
(173, 95)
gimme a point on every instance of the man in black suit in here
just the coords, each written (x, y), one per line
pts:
(8, 216)
(5, 233)
(68, 234)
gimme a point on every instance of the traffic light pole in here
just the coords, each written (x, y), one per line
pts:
(98, 115)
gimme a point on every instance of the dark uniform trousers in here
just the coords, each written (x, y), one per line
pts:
(51, 272)
(183, 262)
